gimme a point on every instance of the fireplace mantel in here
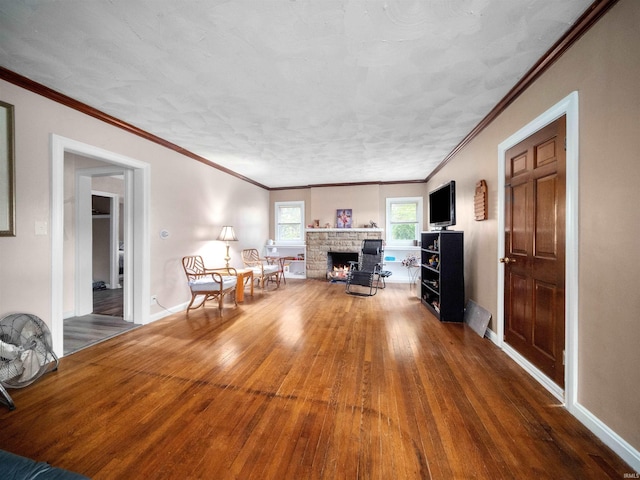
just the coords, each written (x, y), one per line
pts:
(344, 230)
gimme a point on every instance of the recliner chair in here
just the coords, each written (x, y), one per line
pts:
(366, 273)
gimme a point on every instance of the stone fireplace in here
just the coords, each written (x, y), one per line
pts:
(320, 241)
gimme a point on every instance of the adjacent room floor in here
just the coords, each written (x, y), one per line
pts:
(105, 322)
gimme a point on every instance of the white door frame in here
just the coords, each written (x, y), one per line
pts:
(84, 236)
(114, 235)
(138, 191)
(569, 107)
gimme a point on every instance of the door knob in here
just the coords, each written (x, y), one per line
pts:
(507, 260)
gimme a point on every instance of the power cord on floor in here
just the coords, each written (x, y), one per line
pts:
(162, 306)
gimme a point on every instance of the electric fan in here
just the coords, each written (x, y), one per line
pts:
(25, 352)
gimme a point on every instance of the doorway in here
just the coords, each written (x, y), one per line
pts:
(97, 237)
(107, 252)
(95, 240)
(136, 262)
(567, 107)
(108, 241)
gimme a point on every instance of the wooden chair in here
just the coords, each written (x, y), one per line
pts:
(209, 283)
(262, 270)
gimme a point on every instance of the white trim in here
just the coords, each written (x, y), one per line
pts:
(57, 243)
(530, 368)
(128, 238)
(610, 438)
(181, 307)
(288, 245)
(138, 274)
(569, 107)
(83, 297)
(491, 335)
(344, 230)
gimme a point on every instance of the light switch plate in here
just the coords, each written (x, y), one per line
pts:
(41, 228)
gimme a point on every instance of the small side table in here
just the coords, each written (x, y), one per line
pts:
(280, 261)
(413, 270)
(244, 274)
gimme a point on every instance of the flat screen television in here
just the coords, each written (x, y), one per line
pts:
(442, 206)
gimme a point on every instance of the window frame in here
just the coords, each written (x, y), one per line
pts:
(295, 203)
(389, 224)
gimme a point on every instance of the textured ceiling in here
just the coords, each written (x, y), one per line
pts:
(289, 92)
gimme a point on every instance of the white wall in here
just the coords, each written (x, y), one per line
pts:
(190, 199)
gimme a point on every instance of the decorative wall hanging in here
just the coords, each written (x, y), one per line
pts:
(7, 169)
(343, 218)
(480, 201)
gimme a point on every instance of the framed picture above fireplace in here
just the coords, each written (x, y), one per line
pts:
(343, 218)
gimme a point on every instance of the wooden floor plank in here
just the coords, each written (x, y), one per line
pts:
(87, 330)
(303, 381)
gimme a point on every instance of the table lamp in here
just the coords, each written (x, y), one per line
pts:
(227, 235)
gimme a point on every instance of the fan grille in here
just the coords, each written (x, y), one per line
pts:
(25, 349)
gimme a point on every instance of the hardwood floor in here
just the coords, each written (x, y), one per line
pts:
(302, 381)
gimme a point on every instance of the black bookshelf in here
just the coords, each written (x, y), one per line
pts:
(442, 286)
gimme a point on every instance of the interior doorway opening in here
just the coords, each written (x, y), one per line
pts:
(97, 243)
(107, 236)
(71, 277)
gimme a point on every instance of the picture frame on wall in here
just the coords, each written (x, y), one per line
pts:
(344, 217)
(7, 169)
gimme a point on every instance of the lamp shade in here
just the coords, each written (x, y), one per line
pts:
(227, 234)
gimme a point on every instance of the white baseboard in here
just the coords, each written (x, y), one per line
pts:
(165, 312)
(491, 335)
(532, 370)
(398, 279)
(609, 437)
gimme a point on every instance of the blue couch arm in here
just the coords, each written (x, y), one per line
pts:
(15, 467)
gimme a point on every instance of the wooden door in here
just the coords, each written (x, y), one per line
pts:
(535, 249)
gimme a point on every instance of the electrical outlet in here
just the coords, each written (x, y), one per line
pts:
(154, 299)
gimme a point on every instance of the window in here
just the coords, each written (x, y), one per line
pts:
(289, 222)
(404, 220)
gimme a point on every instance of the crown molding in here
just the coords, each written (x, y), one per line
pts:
(579, 28)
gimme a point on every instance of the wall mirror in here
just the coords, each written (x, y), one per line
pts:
(7, 169)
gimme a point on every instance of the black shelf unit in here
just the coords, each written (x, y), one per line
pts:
(442, 286)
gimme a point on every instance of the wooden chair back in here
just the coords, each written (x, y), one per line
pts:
(193, 267)
(251, 257)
